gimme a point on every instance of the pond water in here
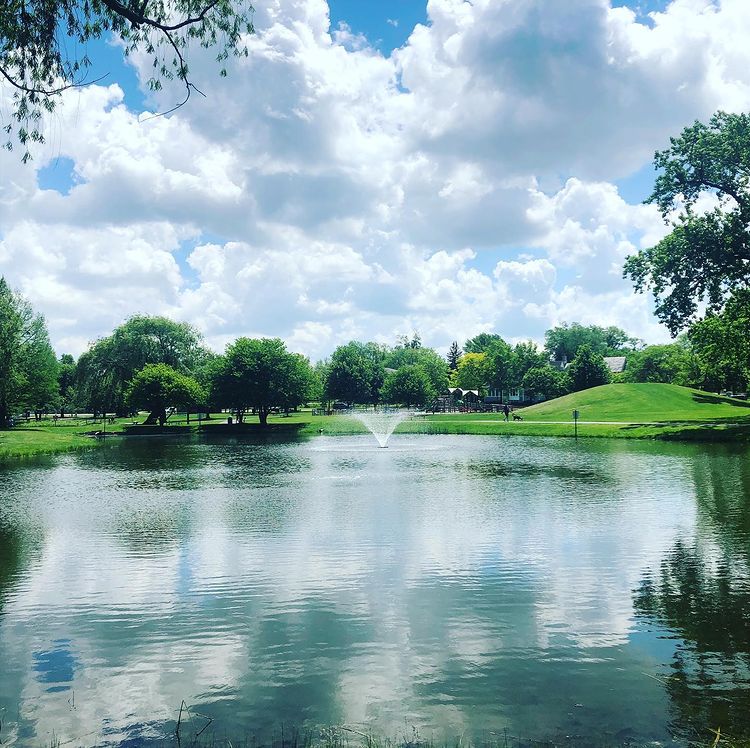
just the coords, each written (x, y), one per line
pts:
(597, 591)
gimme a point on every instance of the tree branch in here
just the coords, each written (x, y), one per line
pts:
(43, 91)
(138, 18)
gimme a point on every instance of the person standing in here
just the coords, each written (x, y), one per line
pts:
(506, 411)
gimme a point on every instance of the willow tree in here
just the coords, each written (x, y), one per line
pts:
(43, 46)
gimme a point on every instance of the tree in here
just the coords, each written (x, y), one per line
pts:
(526, 356)
(721, 345)
(674, 363)
(546, 381)
(707, 254)
(66, 378)
(480, 343)
(500, 365)
(432, 363)
(408, 385)
(562, 342)
(28, 368)
(472, 372)
(260, 374)
(105, 370)
(39, 369)
(587, 370)
(454, 356)
(356, 373)
(41, 43)
(157, 387)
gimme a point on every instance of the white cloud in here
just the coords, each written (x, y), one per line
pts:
(325, 191)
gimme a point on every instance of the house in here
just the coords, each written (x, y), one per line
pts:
(616, 364)
(512, 396)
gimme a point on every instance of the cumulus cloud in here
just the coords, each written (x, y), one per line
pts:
(324, 190)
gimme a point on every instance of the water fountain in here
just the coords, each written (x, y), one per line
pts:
(381, 423)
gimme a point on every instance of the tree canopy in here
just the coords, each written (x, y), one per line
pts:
(43, 52)
(157, 387)
(356, 373)
(105, 370)
(706, 256)
(408, 385)
(28, 367)
(260, 374)
(562, 342)
(587, 369)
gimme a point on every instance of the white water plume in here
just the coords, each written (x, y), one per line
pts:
(380, 423)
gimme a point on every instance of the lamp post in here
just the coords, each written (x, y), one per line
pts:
(575, 423)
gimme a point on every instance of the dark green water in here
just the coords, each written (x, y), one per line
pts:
(454, 585)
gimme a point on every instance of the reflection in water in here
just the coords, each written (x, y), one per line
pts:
(708, 606)
(701, 594)
(460, 585)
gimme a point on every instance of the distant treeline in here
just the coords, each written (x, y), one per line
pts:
(155, 364)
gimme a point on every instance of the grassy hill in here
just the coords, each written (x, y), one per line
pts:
(642, 403)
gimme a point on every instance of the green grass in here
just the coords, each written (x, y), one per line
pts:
(641, 403)
(633, 411)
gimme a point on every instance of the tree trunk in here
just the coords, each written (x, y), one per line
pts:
(263, 416)
(153, 417)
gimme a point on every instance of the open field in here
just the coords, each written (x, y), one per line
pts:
(634, 411)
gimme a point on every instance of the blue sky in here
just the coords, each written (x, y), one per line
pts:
(498, 189)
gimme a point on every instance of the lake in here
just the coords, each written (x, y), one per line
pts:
(545, 589)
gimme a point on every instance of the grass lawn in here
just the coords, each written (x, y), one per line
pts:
(641, 403)
(632, 411)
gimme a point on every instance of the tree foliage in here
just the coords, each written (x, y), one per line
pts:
(41, 43)
(454, 356)
(472, 372)
(562, 342)
(546, 381)
(431, 362)
(587, 369)
(355, 373)
(28, 367)
(722, 347)
(707, 254)
(674, 363)
(480, 343)
(260, 374)
(157, 387)
(409, 385)
(104, 371)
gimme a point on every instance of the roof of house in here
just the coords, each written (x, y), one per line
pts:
(616, 364)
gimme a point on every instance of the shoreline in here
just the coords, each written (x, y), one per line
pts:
(22, 442)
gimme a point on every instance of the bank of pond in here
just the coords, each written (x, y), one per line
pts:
(629, 411)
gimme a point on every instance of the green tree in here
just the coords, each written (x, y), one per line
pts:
(526, 356)
(66, 378)
(409, 385)
(500, 365)
(43, 45)
(28, 368)
(481, 343)
(546, 381)
(454, 356)
(562, 342)
(432, 363)
(39, 369)
(721, 345)
(259, 375)
(587, 370)
(472, 372)
(707, 254)
(673, 363)
(104, 371)
(157, 387)
(356, 373)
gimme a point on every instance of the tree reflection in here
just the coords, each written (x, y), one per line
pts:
(10, 561)
(705, 601)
